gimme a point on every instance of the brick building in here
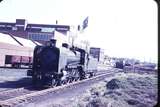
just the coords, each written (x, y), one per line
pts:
(37, 32)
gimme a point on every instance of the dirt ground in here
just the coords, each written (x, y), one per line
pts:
(122, 90)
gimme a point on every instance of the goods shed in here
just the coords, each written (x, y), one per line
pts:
(15, 49)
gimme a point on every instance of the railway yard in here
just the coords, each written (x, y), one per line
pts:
(16, 90)
(65, 75)
(42, 65)
(54, 73)
(67, 53)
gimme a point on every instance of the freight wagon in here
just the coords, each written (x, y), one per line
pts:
(18, 61)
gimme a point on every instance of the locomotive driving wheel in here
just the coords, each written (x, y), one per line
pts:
(56, 82)
(82, 74)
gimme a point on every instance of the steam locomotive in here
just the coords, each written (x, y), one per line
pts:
(53, 66)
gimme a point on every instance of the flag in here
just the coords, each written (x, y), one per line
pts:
(79, 28)
(85, 23)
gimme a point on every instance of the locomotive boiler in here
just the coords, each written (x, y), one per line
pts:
(54, 66)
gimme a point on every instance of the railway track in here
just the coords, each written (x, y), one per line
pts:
(8, 94)
(12, 85)
(25, 95)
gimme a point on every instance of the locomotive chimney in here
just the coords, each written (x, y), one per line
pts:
(52, 42)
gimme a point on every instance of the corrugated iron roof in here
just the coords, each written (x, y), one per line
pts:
(4, 38)
(10, 39)
(26, 42)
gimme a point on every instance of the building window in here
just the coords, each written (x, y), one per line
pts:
(14, 28)
(40, 36)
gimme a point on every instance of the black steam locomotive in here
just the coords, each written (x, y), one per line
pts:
(54, 66)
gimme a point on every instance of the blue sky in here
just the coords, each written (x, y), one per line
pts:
(124, 28)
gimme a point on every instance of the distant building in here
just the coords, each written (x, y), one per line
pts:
(97, 53)
(36, 32)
